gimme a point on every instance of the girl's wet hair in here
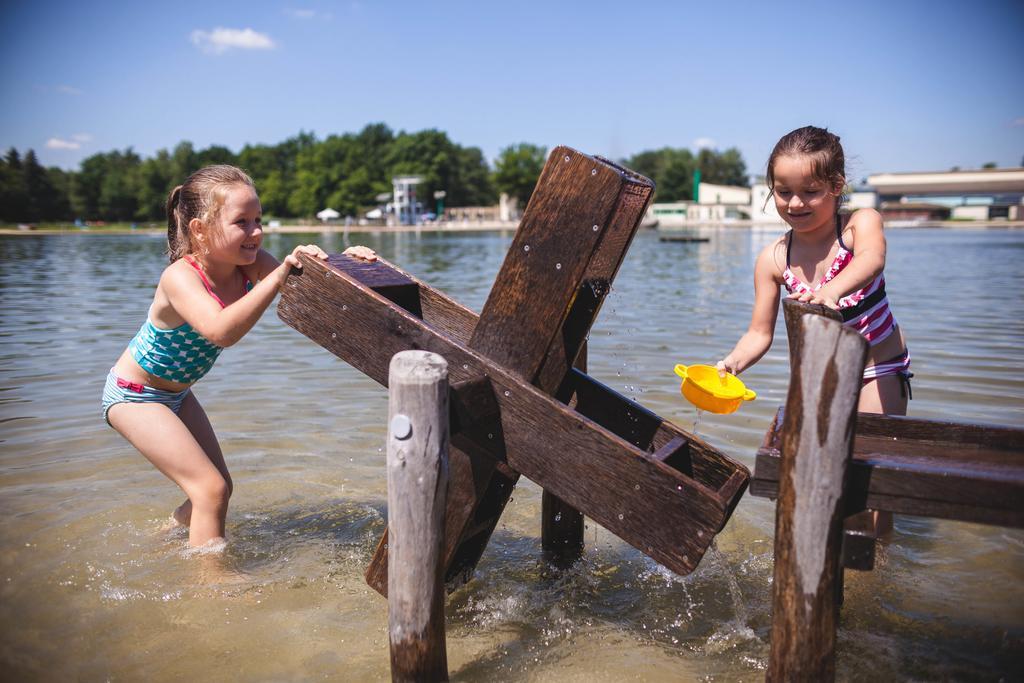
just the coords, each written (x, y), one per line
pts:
(201, 196)
(828, 163)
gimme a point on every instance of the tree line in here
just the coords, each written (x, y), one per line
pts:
(302, 175)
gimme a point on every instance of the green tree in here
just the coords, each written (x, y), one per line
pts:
(722, 168)
(154, 185)
(14, 197)
(42, 196)
(671, 170)
(517, 169)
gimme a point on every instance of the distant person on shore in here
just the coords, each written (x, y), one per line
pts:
(819, 261)
(217, 286)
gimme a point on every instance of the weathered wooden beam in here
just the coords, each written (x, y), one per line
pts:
(417, 457)
(929, 468)
(562, 525)
(609, 479)
(816, 445)
(568, 247)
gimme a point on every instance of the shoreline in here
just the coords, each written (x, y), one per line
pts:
(495, 226)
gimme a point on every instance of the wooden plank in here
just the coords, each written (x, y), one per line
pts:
(966, 472)
(561, 525)
(576, 202)
(612, 481)
(567, 249)
(817, 441)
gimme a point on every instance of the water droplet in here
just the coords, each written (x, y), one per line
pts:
(526, 247)
(508, 393)
(567, 157)
(700, 534)
(490, 436)
(465, 366)
(636, 487)
(595, 228)
(593, 171)
(621, 516)
(344, 307)
(558, 517)
(334, 335)
(679, 488)
(558, 266)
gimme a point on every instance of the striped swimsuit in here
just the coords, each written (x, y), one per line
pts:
(865, 310)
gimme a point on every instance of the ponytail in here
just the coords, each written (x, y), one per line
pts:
(175, 236)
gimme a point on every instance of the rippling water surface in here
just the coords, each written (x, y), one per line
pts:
(93, 586)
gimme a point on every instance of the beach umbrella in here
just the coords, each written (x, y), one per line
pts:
(328, 215)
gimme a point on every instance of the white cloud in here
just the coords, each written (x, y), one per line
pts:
(68, 90)
(1019, 121)
(57, 143)
(703, 143)
(220, 40)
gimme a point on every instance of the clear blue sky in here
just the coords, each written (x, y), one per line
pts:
(907, 85)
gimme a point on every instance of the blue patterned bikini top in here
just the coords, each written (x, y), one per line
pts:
(180, 354)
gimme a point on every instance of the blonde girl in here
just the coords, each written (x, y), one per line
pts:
(218, 284)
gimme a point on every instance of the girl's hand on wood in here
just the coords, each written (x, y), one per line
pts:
(292, 259)
(818, 297)
(364, 253)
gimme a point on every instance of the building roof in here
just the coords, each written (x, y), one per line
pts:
(983, 180)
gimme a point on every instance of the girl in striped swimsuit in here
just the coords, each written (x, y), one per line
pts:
(218, 285)
(818, 261)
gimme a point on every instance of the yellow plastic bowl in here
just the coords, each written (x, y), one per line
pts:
(705, 389)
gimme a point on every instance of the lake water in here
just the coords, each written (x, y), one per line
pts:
(94, 587)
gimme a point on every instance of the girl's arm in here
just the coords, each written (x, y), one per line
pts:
(867, 263)
(758, 338)
(225, 326)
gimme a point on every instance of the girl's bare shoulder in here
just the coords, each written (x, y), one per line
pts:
(865, 222)
(772, 259)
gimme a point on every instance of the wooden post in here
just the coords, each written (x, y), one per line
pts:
(417, 486)
(562, 525)
(821, 412)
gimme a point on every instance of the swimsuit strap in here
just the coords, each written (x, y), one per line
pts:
(839, 234)
(789, 243)
(205, 281)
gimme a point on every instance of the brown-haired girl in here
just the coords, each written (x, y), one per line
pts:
(818, 261)
(217, 286)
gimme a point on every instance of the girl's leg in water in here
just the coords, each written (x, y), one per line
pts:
(194, 417)
(883, 396)
(166, 442)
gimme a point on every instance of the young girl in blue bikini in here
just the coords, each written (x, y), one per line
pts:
(217, 286)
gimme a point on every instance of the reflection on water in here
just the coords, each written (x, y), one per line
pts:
(96, 586)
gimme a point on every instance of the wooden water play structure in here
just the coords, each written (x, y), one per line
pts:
(518, 406)
(519, 402)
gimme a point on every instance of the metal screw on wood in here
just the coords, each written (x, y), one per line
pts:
(401, 427)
